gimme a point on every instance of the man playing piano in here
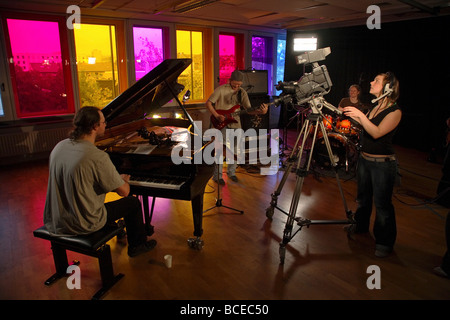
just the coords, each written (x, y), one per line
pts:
(225, 98)
(80, 175)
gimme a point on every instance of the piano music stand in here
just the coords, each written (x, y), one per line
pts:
(219, 199)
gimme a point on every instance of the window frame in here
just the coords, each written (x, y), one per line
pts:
(272, 72)
(243, 35)
(6, 93)
(120, 49)
(207, 59)
(14, 111)
(239, 42)
(168, 36)
(279, 38)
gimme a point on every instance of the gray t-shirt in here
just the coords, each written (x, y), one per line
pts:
(225, 98)
(80, 175)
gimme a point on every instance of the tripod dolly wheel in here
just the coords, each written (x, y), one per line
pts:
(196, 243)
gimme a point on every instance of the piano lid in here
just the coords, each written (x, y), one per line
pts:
(148, 94)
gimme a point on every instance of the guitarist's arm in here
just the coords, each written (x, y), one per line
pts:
(261, 110)
(245, 102)
(213, 111)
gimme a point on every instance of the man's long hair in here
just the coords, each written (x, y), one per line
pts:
(84, 122)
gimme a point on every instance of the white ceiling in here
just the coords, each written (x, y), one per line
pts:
(248, 14)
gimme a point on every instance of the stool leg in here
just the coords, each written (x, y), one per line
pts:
(61, 264)
(106, 271)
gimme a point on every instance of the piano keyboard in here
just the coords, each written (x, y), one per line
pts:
(172, 183)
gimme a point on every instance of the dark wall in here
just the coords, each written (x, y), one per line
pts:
(415, 51)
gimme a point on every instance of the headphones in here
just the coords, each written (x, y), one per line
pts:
(389, 87)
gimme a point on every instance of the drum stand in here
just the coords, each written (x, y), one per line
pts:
(312, 123)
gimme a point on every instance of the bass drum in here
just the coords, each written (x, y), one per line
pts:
(343, 152)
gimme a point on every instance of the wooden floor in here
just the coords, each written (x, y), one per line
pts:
(240, 259)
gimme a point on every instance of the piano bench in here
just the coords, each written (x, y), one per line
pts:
(93, 245)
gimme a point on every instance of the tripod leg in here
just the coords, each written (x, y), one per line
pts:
(334, 164)
(277, 192)
(282, 252)
(301, 173)
(287, 233)
(290, 161)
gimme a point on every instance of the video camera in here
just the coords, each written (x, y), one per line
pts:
(314, 84)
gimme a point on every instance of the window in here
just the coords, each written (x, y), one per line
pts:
(231, 55)
(262, 56)
(2, 113)
(148, 45)
(192, 43)
(100, 78)
(281, 54)
(38, 54)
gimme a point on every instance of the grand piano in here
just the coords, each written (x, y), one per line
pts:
(142, 146)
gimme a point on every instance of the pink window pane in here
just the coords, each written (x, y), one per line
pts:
(38, 70)
(148, 49)
(227, 57)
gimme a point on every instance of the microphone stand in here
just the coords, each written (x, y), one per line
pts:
(219, 199)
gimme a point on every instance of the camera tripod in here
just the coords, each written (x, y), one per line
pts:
(311, 125)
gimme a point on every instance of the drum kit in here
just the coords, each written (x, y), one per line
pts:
(344, 140)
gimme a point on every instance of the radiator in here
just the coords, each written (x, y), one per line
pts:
(28, 143)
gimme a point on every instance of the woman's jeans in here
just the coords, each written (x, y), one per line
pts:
(375, 185)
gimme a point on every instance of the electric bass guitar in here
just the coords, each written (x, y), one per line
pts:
(229, 116)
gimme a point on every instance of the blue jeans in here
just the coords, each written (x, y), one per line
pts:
(226, 149)
(375, 185)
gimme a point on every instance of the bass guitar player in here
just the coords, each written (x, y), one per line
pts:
(222, 105)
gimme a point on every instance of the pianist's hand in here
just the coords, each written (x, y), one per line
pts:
(125, 177)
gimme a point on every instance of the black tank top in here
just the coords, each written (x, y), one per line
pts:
(382, 145)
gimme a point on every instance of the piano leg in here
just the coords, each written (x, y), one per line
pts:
(148, 215)
(197, 213)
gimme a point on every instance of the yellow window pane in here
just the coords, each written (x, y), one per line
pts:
(190, 45)
(197, 64)
(97, 64)
(183, 44)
